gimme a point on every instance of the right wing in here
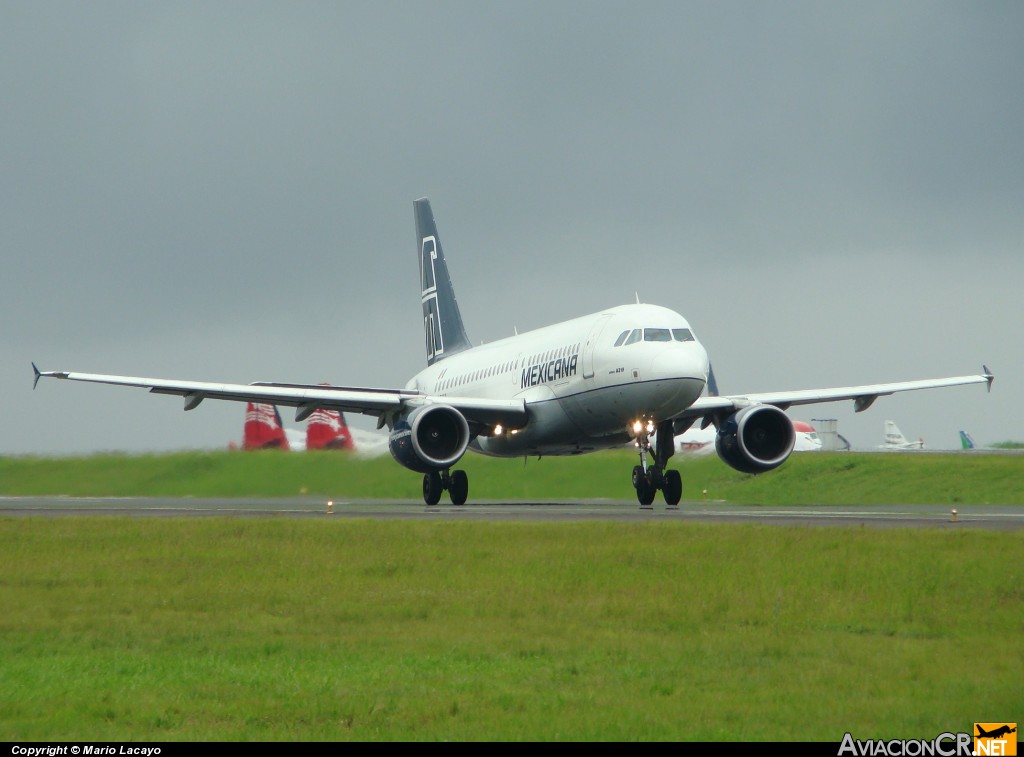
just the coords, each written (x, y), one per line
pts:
(863, 396)
(383, 404)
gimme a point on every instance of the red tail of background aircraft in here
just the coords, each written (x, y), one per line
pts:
(326, 429)
(263, 428)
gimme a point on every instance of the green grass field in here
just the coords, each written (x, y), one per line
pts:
(276, 629)
(820, 478)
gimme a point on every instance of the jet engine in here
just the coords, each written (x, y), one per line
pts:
(430, 438)
(756, 439)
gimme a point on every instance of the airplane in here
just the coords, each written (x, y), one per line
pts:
(263, 428)
(325, 429)
(807, 439)
(894, 438)
(629, 372)
(995, 733)
(966, 441)
(328, 429)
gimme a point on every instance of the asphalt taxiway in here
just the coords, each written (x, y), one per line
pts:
(997, 517)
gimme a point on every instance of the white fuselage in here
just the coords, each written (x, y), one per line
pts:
(584, 381)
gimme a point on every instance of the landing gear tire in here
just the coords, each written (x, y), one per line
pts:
(432, 487)
(645, 492)
(648, 480)
(458, 487)
(672, 488)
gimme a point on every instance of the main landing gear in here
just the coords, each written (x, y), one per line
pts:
(435, 482)
(648, 479)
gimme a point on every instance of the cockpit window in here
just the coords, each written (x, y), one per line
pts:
(634, 337)
(657, 335)
(683, 335)
(622, 338)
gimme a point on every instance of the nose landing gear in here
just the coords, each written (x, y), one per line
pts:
(649, 479)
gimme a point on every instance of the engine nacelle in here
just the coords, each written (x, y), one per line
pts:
(430, 438)
(756, 439)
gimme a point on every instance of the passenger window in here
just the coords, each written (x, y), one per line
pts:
(682, 335)
(634, 337)
(657, 335)
(622, 338)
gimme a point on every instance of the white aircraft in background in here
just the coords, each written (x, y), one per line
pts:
(894, 438)
(595, 382)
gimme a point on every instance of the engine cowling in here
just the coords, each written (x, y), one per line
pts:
(430, 438)
(756, 439)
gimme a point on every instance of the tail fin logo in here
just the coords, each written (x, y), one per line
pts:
(327, 429)
(443, 331)
(263, 428)
(995, 739)
(428, 296)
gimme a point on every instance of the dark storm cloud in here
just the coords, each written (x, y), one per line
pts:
(223, 191)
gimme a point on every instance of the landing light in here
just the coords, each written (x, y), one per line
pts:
(497, 430)
(639, 426)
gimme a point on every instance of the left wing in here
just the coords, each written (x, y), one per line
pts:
(306, 398)
(862, 396)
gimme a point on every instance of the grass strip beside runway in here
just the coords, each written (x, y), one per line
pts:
(304, 630)
(806, 478)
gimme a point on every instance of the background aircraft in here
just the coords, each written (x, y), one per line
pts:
(263, 428)
(325, 429)
(966, 441)
(894, 438)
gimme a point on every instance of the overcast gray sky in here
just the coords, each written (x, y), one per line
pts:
(831, 193)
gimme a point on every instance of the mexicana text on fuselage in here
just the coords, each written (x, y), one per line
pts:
(552, 370)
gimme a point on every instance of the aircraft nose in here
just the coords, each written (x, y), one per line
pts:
(683, 361)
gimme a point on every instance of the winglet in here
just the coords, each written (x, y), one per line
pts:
(988, 376)
(38, 374)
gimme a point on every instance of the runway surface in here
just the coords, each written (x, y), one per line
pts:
(997, 517)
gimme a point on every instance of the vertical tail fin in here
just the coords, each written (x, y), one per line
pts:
(263, 428)
(966, 441)
(712, 384)
(327, 429)
(442, 321)
(893, 436)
